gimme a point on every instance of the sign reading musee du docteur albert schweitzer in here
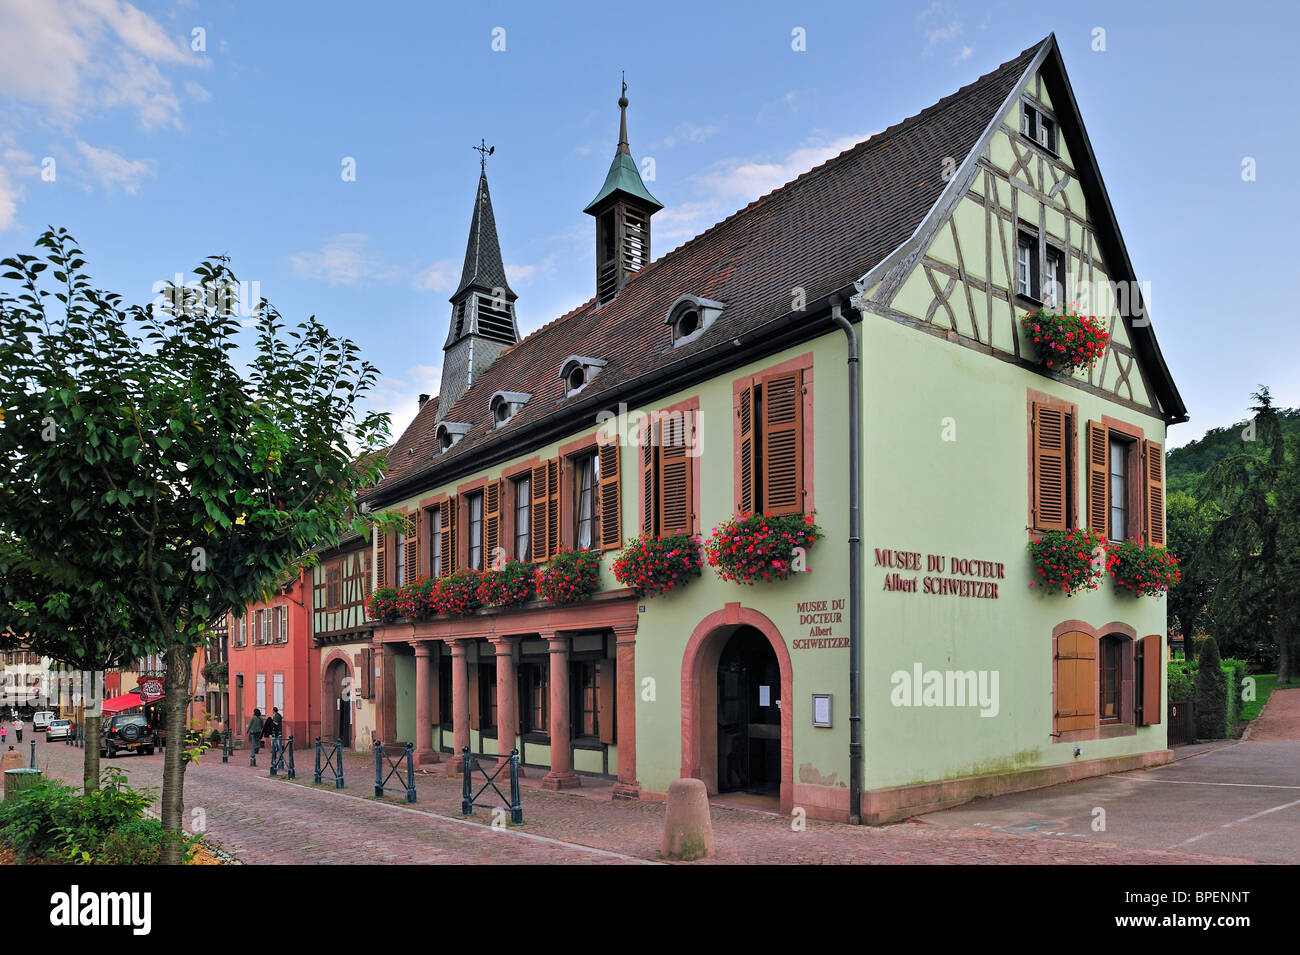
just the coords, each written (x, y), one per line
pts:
(944, 575)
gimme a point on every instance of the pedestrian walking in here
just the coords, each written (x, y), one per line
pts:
(18, 730)
(268, 729)
(255, 730)
(4, 733)
(277, 721)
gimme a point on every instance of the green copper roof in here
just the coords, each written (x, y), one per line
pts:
(623, 177)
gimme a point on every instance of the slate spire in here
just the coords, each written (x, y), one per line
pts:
(483, 322)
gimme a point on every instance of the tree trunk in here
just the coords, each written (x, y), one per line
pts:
(179, 658)
(90, 761)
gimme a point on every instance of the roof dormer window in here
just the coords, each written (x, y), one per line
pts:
(1038, 127)
(505, 404)
(450, 432)
(690, 316)
(577, 372)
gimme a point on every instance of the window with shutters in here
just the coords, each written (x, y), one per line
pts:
(399, 548)
(409, 550)
(774, 448)
(493, 548)
(1052, 464)
(585, 477)
(534, 693)
(1125, 482)
(381, 556)
(523, 519)
(669, 452)
(435, 542)
(475, 553)
(284, 624)
(333, 586)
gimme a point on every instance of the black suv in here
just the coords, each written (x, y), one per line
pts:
(129, 731)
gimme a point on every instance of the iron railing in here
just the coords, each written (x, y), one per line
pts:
(470, 799)
(333, 762)
(394, 754)
(279, 750)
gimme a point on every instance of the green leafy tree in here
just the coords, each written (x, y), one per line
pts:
(207, 481)
(1254, 538)
(1188, 531)
(50, 608)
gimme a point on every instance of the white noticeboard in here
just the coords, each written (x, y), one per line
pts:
(821, 709)
(764, 696)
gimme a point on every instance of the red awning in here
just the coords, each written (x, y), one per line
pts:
(117, 704)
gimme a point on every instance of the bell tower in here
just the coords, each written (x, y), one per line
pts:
(483, 322)
(622, 210)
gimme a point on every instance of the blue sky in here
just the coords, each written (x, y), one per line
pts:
(164, 154)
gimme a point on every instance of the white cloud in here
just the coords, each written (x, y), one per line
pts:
(197, 91)
(114, 171)
(71, 58)
(964, 55)
(689, 133)
(344, 259)
(522, 274)
(9, 196)
(400, 396)
(440, 276)
(941, 26)
(733, 183)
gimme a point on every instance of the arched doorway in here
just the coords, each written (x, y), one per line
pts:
(336, 696)
(737, 707)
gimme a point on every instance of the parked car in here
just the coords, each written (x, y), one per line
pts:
(126, 731)
(59, 729)
(41, 720)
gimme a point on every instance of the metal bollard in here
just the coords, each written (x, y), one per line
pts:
(466, 799)
(252, 749)
(276, 754)
(410, 773)
(516, 810)
(225, 746)
(291, 774)
(33, 754)
(338, 764)
(315, 778)
(379, 777)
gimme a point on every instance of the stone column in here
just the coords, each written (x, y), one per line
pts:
(561, 775)
(625, 695)
(425, 754)
(459, 704)
(507, 708)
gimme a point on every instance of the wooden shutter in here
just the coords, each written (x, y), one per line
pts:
(606, 685)
(491, 524)
(748, 491)
(781, 437)
(675, 505)
(553, 506)
(1098, 477)
(381, 535)
(1076, 681)
(367, 673)
(611, 527)
(648, 483)
(412, 545)
(1050, 479)
(1153, 459)
(540, 490)
(447, 534)
(1151, 665)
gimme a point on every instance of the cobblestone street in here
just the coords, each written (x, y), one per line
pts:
(261, 820)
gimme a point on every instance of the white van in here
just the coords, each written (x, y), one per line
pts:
(41, 720)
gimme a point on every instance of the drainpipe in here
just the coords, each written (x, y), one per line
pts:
(855, 566)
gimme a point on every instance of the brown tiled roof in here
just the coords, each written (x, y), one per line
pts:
(819, 232)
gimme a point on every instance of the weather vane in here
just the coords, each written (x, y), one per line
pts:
(484, 150)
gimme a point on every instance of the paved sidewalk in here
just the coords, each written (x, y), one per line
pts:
(262, 820)
(1280, 719)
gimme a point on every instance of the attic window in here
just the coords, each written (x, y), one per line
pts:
(505, 404)
(1038, 126)
(690, 317)
(450, 432)
(577, 372)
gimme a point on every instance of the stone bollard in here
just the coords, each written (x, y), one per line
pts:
(688, 830)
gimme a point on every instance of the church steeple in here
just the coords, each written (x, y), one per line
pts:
(483, 322)
(622, 210)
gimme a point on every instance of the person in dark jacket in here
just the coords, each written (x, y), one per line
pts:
(255, 729)
(277, 721)
(268, 729)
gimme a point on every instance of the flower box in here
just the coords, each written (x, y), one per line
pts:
(510, 586)
(652, 566)
(1068, 561)
(1066, 341)
(571, 577)
(1142, 569)
(760, 546)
